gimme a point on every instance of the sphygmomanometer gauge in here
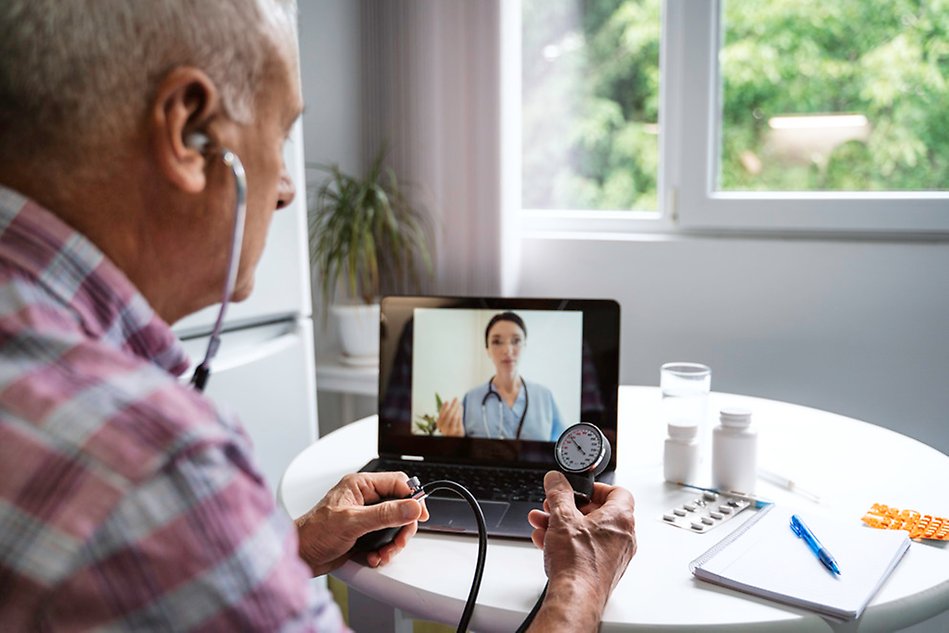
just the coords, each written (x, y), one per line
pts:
(582, 452)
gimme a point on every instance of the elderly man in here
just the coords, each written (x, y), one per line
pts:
(127, 500)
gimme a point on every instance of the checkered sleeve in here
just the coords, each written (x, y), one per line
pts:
(198, 546)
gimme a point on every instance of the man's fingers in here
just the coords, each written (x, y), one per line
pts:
(375, 486)
(537, 537)
(402, 538)
(560, 499)
(604, 493)
(386, 514)
(538, 519)
(388, 552)
(424, 516)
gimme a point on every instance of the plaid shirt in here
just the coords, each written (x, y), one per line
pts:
(127, 501)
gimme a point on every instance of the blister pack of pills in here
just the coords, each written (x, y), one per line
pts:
(919, 526)
(706, 512)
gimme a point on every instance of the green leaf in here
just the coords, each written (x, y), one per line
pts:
(366, 235)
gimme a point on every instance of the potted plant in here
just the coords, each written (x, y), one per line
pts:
(366, 238)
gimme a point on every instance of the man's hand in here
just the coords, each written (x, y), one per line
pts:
(586, 551)
(328, 531)
(449, 419)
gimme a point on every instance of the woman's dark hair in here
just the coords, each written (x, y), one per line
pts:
(504, 316)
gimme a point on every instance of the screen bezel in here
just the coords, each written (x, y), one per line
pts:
(601, 331)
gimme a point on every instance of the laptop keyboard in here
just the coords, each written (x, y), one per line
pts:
(490, 484)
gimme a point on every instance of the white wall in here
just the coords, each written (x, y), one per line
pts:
(858, 328)
(330, 65)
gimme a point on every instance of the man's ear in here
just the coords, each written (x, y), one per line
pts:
(184, 104)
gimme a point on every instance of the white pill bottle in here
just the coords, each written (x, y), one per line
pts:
(734, 452)
(680, 459)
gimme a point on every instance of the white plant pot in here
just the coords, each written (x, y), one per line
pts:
(358, 327)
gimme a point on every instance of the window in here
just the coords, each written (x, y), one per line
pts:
(752, 115)
(590, 75)
(834, 96)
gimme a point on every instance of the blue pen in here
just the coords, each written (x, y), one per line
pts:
(798, 527)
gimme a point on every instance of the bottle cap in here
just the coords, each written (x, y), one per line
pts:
(682, 431)
(735, 417)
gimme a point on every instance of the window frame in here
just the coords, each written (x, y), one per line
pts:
(689, 115)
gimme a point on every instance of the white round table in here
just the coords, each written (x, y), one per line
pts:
(848, 463)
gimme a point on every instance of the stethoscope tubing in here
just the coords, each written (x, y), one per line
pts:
(203, 371)
(493, 392)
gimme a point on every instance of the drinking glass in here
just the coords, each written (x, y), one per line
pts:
(685, 388)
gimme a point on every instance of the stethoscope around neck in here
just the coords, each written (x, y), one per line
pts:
(484, 417)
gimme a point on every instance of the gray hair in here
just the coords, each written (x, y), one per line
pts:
(75, 74)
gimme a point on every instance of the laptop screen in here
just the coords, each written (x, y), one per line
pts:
(494, 380)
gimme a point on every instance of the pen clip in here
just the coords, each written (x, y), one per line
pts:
(796, 527)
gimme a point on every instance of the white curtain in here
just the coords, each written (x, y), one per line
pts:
(432, 80)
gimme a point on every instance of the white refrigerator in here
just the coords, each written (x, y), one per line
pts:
(264, 370)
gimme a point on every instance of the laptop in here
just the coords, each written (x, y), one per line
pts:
(519, 370)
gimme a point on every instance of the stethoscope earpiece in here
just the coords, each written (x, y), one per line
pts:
(198, 141)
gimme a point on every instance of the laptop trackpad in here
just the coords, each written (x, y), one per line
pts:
(455, 515)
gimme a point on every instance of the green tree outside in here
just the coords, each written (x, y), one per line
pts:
(591, 88)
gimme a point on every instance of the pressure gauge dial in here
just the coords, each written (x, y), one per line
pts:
(582, 452)
(580, 448)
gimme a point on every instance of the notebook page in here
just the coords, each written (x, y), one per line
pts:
(771, 561)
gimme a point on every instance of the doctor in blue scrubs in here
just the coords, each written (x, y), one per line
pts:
(505, 406)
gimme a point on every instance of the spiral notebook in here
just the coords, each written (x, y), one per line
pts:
(765, 558)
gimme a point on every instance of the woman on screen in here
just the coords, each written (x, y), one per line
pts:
(505, 406)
